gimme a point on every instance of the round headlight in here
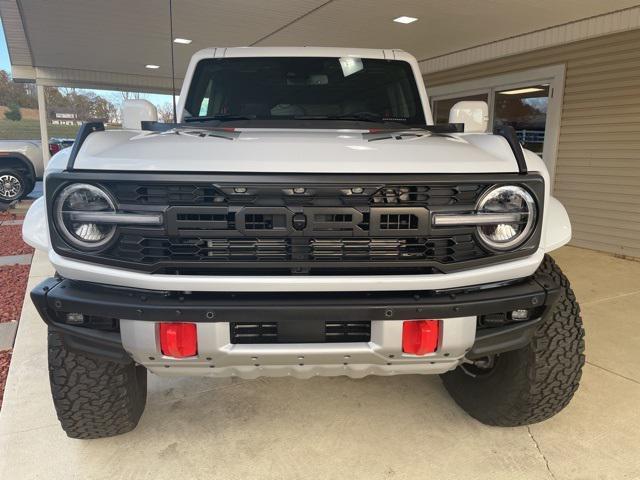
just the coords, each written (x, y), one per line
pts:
(69, 206)
(508, 199)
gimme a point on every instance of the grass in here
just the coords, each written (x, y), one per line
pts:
(30, 130)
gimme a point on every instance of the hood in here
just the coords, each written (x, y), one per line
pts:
(299, 151)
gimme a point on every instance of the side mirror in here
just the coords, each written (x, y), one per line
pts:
(473, 114)
(136, 111)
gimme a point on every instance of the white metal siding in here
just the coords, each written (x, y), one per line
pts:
(598, 163)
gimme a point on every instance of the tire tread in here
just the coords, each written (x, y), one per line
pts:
(94, 397)
(537, 381)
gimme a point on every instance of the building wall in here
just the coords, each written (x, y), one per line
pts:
(598, 162)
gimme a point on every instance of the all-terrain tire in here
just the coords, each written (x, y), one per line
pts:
(534, 383)
(94, 397)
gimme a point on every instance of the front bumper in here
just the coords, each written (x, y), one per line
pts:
(138, 312)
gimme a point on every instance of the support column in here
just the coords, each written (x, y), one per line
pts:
(44, 131)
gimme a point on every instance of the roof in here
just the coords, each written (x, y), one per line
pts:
(107, 44)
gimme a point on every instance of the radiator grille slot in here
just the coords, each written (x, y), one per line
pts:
(151, 250)
(327, 332)
(243, 332)
(336, 332)
(425, 195)
(161, 194)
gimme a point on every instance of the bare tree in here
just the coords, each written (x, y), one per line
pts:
(165, 113)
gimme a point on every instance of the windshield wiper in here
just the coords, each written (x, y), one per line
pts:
(222, 118)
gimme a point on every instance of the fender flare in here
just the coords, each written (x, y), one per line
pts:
(556, 229)
(22, 159)
(35, 230)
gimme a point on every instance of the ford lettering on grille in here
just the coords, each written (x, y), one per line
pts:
(300, 222)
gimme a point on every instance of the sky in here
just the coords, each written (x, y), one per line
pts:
(112, 96)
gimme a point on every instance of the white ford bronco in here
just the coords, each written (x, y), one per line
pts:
(304, 217)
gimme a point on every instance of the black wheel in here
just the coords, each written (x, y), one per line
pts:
(13, 185)
(531, 384)
(94, 397)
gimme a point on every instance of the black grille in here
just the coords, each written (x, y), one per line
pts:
(293, 224)
(300, 332)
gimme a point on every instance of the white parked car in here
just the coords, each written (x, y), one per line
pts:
(304, 217)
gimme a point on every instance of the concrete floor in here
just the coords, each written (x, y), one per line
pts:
(325, 428)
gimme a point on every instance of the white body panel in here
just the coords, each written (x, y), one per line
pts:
(300, 151)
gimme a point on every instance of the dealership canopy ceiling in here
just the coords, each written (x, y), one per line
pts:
(111, 44)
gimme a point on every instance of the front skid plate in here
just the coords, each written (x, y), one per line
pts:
(381, 356)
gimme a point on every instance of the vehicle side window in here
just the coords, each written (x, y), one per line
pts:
(204, 106)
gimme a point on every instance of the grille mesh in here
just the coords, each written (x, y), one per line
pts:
(152, 250)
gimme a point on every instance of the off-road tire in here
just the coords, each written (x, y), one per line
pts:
(534, 383)
(94, 397)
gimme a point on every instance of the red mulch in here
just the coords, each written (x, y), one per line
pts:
(13, 282)
(5, 359)
(11, 241)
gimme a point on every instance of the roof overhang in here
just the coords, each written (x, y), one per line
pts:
(77, 43)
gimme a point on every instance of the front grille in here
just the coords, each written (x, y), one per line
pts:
(290, 224)
(297, 332)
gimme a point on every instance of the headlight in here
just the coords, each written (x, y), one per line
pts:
(73, 209)
(508, 199)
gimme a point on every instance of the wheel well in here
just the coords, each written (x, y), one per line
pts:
(19, 164)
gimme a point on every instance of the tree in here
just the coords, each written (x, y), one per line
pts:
(16, 93)
(165, 113)
(13, 113)
(103, 109)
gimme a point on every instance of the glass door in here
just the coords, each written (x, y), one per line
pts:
(529, 101)
(525, 109)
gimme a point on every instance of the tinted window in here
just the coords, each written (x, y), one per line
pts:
(305, 88)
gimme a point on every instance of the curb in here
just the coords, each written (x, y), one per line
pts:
(8, 334)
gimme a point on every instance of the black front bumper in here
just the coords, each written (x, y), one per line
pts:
(55, 297)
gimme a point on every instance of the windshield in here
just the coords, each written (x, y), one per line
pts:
(308, 88)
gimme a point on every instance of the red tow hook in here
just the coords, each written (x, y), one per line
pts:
(420, 337)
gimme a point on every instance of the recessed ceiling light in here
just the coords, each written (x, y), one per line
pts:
(183, 41)
(405, 20)
(521, 90)
(151, 66)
